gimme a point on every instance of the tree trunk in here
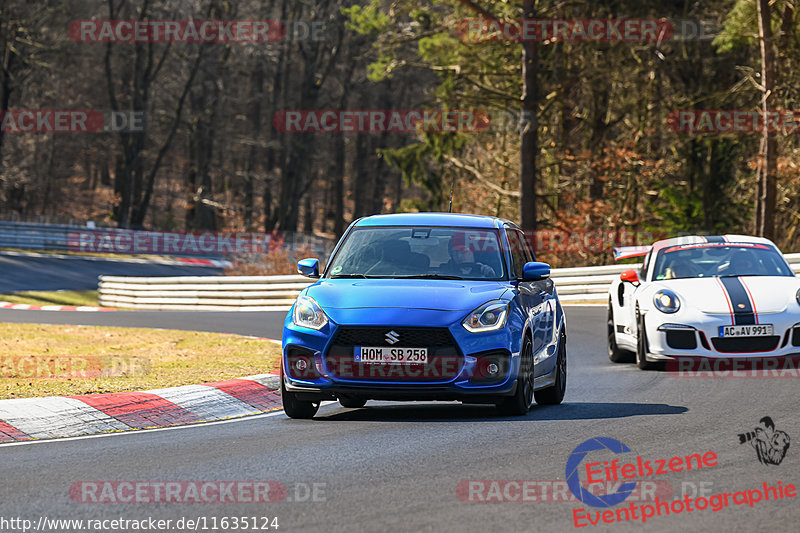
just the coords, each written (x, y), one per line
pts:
(768, 156)
(529, 137)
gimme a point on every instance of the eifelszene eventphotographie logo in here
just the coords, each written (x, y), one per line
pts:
(574, 481)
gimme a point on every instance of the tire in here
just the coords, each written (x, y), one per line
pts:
(641, 344)
(615, 353)
(352, 403)
(296, 408)
(554, 394)
(521, 401)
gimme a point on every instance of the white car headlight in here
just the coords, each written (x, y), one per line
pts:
(666, 301)
(490, 316)
(308, 313)
(797, 296)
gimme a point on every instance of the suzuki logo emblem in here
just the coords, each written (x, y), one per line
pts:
(392, 337)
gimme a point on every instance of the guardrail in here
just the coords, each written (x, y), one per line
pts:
(82, 238)
(277, 293)
(202, 293)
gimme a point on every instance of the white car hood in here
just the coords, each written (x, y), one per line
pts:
(768, 294)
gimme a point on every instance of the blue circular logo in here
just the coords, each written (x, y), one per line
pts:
(574, 481)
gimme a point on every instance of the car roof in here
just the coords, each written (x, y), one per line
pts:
(700, 239)
(434, 219)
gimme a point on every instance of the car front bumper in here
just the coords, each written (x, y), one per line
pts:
(669, 337)
(463, 380)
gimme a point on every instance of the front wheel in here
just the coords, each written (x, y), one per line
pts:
(554, 394)
(295, 407)
(521, 401)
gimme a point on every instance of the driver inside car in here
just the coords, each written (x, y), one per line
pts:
(462, 259)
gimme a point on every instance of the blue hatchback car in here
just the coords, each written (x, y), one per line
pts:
(426, 306)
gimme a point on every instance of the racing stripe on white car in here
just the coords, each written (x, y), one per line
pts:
(750, 296)
(739, 301)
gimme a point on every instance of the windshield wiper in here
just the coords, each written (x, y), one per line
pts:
(428, 276)
(340, 276)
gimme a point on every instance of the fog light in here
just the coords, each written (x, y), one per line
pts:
(301, 365)
(493, 369)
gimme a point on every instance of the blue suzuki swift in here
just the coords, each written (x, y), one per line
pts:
(426, 306)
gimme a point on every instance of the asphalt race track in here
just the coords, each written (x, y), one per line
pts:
(395, 467)
(49, 273)
(258, 324)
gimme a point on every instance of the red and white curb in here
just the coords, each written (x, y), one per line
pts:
(28, 307)
(53, 417)
(204, 262)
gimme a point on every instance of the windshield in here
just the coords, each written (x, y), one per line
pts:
(419, 252)
(709, 260)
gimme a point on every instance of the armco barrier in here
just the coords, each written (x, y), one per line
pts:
(277, 293)
(202, 293)
(64, 237)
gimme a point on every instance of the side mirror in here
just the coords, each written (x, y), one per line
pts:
(308, 267)
(630, 276)
(535, 271)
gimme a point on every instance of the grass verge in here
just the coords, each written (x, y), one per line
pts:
(43, 360)
(88, 298)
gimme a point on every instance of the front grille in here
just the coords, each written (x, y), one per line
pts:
(745, 344)
(444, 358)
(409, 337)
(684, 339)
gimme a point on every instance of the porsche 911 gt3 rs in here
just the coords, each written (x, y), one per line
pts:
(724, 296)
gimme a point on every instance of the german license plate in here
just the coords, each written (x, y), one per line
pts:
(383, 355)
(756, 330)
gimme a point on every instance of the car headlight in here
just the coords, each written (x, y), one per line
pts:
(308, 313)
(666, 301)
(488, 317)
(797, 296)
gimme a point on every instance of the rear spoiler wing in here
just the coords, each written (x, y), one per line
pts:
(626, 252)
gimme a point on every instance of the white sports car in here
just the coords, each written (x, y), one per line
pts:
(725, 296)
